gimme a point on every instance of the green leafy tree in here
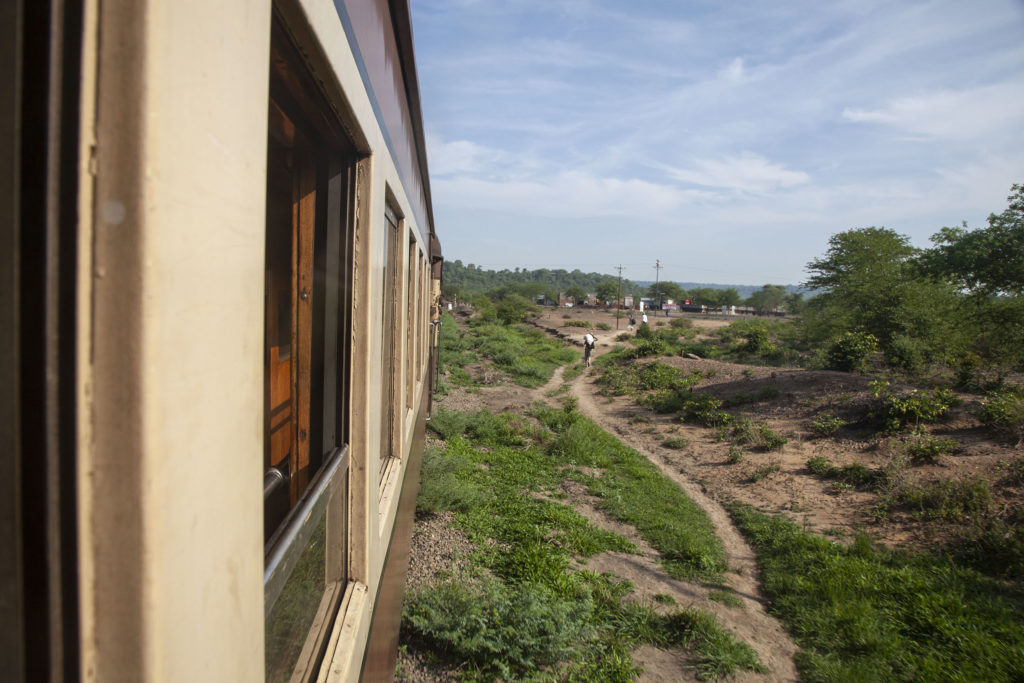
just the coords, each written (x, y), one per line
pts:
(769, 298)
(873, 284)
(607, 290)
(795, 303)
(660, 291)
(986, 261)
(513, 309)
(577, 294)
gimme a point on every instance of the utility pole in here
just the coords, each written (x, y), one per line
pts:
(618, 298)
(657, 272)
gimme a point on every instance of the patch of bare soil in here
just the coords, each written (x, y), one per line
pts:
(797, 397)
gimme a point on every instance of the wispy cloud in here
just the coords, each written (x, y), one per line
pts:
(570, 194)
(965, 114)
(744, 173)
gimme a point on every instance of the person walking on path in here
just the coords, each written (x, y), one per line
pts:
(632, 322)
(589, 342)
(643, 319)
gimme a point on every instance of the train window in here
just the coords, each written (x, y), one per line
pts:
(389, 348)
(411, 303)
(308, 275)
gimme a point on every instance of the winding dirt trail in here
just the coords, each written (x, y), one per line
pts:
(750, 622)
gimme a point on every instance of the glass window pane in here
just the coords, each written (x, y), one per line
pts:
(289, 625)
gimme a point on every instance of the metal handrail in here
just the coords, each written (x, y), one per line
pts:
(290, 540)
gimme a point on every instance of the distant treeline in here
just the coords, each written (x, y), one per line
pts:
(472, 279)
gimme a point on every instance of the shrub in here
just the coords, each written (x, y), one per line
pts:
(576, 323)
(897, 412)
(768, 439)
(850, 352)
(648, 346)
(1003, 411)
(853, 474)
(680, 323)
(827, 424)
(765, 470)
(758, 341)
(676, 443)
(928, 448)
(603, 326)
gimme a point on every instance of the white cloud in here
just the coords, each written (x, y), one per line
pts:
(458, 156)
(947, 114)
(734, 72)
(746, 173)
(571, 194)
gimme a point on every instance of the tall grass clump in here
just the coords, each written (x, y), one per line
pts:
(860, 614)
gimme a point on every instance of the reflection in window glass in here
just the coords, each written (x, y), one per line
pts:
(288, 626)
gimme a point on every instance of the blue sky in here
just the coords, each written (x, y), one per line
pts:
(730, 140)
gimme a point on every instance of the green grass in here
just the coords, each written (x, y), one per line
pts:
(860, 614)
(528, 355)
(520, 611)
(854, 474)
(726, 597)
(633, 491)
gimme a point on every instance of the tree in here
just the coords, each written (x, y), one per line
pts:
(795, 303)
(665, 290)
(607, 290)
(577, 294)
(985, 261)
(873, 284)
(768, 298)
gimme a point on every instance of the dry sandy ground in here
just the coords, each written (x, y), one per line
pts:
(703, 469)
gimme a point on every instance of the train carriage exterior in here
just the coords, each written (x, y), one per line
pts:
(218, 312)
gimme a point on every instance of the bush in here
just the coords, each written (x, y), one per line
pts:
(603, 326)
(576, 323)
(827, 424)
(680, 323)
(850, 352)
(1003, 411)
(768, 439)
(853, 474)
(928, 448)
(648, 346)
(899, 411)
(758, 341)
(764, 471)
(676, 443)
